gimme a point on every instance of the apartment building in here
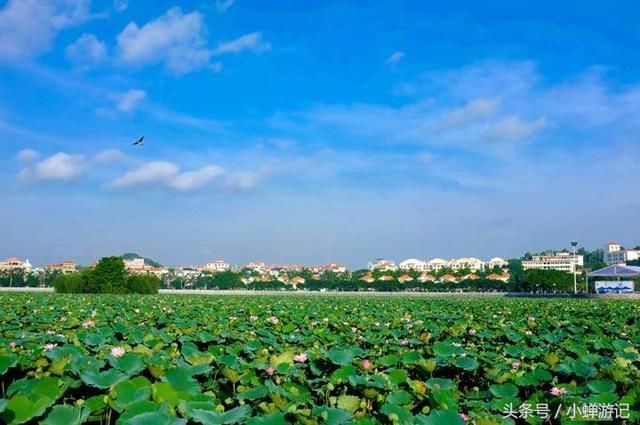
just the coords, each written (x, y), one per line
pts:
(614, 253)
(65, 267)
(14, 264)
(216, 266)
(563, 261)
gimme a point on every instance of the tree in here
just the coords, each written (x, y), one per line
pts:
(516, 271)
(109, 275)
(143, 284)
(73, 283)
(547, 280)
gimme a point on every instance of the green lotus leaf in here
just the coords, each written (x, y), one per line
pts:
(7, 361)
(332, 416)
(504, 390)
(349, 403)
(66, 415)
(440, 417)
(466, 363)
(342, 357)
(103, 380)
(128, 392)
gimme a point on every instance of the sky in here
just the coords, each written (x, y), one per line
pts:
(316, 131)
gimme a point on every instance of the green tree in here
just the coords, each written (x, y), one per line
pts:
(109, 275)
(73, 283)
(516, 271)
(143, 284)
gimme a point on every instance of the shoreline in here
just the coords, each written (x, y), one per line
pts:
(408, 294)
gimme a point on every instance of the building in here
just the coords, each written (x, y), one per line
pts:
(382, 265)
(216, 266)
(257, 266)
(437, 264)
(497, 262)
(413, 264)
(614, 254)
(138, 266)
(333, 268)
(447, 278)
(66, 267)
(504, 277)
(298, 280)
(405, 278)
(563, 261)
(426, 277)
(367, 278)
(13, 264)
(470, 263)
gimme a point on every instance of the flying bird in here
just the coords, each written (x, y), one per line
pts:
(140, 141)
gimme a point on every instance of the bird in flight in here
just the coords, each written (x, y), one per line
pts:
(140, 141)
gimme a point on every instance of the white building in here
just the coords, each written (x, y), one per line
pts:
(470, 263)
(563, 261)
(216, 266)
(15, 264)
(382, 265)
(497, 262)
(437, 264)
(615, 254)
(332, 268)
(413, 264)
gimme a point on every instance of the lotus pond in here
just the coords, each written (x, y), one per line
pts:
(179, 359)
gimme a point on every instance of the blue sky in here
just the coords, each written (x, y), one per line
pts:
(316, 131)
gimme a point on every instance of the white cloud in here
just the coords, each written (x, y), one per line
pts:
(514, 128)
(151, 172)
(166, 174)
(28, 27)
(395, 58)
(109, 155)
(246, 180)
(59, 167)
(252, 42)
(176, 39)
(193, 180)
(120, 5)
(224, 5)
(478, 108)
(27, 155)
(86, 50)
(128, 101)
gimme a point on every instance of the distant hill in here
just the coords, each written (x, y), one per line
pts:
(133, 255)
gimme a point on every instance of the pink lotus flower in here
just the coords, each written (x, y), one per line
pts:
(273, 319)
(63, 319)
(464, 417)
(557, 391)
(253, 318)
(270, 371)
(50, 346)
(516, 365)
(366, 363)
(472, 332)
(94, 314)
(117, 352)
(404, 343)
(50, 332)
(13, 344)
(300, 358)
(88, 324)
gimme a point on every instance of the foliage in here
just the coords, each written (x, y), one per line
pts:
(547, 280)
(108, 276)
(367, 360)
